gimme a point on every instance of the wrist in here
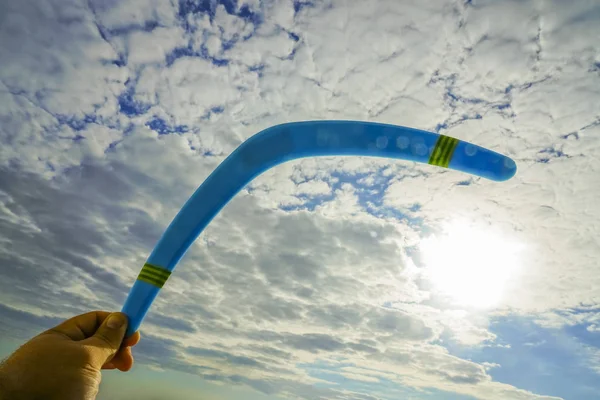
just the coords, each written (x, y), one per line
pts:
(11, 385)
(6, 389)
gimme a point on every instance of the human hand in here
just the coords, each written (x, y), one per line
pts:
(65, 362)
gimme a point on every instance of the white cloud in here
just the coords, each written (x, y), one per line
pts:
(128, 13)
(153, 47)
(593, 328)
(69, 76)
(314, 263)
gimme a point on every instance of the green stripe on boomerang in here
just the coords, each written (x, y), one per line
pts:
(443, 151)
(440, 148)
(154, 275)
(158, 282)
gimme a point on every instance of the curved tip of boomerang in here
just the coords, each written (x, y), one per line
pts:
(508, 170)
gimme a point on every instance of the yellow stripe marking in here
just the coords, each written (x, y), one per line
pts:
(443, 151)
(154, 275)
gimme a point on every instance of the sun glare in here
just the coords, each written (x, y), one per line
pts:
(470, 264)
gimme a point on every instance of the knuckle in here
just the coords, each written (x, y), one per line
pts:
(105, 339)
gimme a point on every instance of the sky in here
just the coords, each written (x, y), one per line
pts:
(327, 278)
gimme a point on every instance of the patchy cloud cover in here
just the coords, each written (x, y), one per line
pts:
(312, 283)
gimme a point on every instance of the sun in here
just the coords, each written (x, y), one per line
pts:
(470, 264)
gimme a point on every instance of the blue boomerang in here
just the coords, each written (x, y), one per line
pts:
(291, 141)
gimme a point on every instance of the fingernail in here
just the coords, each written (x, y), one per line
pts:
(115, 321)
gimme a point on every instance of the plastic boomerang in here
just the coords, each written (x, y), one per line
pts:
(286, 142)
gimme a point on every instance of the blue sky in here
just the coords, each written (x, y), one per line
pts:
(333, 278)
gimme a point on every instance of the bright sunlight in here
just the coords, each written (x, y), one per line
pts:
(470, 264)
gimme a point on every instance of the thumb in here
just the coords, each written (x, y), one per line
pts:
(107, 340)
